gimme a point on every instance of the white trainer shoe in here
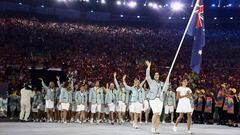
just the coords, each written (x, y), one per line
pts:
(174, 128)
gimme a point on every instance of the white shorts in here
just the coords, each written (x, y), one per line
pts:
(130, 108)
(111, 107)
(49, 104)
(121, 107)
(156, 105)
(73, 107)
(59, 106)
(95, 108)
(145, 105)
(168, 109)
(3, 109)
(80, 108)
(105, 109)
(87, 108)
(137, 107)
(65, 106)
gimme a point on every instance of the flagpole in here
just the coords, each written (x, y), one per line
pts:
(179, 47)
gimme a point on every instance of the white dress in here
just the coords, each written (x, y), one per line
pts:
(184, 104)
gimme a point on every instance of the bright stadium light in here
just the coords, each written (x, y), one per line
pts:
(138, 16)
(20, 3)
(176, 6)
(155, 6)
(150, 4)
(132, 4)
(103, 1)
(42, 6)
(215, 18)
(213, 5)
(121, 16)
(169, 17)
(119, 2)
(231, 18)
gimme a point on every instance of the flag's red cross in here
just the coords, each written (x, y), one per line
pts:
(199, 11)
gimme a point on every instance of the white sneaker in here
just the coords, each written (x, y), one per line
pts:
(146, 122)
(131, 122)
(91, 121)
(98, 121)
(140, 122)
(72, 120)
(153, 130)
(50, 120)
(189, 132)
(174, 128)
(163, 122)
(135, 126)
(78, 121)
(172, 122)
(65, 122)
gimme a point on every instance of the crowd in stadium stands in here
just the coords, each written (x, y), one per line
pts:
(94, 52)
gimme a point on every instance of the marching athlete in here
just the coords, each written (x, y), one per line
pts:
(138, 96)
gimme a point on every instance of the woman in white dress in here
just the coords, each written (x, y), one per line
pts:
(184, 94)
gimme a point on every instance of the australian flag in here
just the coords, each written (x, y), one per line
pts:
(197, 30)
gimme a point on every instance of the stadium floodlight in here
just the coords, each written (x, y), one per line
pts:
(119, 2)
(42, 6)
(121, 16)
(160, 6)
(184, 18)
(145, 4)
(103, 1)
(150, 4)
(213, 5)
(138, 16)
(132, 4)
(91, 11)
(176, 6)
(155, 6)
(231, 18)
(169, 17)
(215, 18)
(20, 3)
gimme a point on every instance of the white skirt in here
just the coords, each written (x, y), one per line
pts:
(65, 106)
(80, 108)
(184, 106)
(49, 104)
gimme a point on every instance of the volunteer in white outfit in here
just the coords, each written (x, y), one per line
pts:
(25, 102)
(49, 98)
(155, 96)
(184, 94)
(138, 96)
(122, 99)
(81, 101)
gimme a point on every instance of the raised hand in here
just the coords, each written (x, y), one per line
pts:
(40, 79)
(124, 77)
(114, 74)
(148, 63)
